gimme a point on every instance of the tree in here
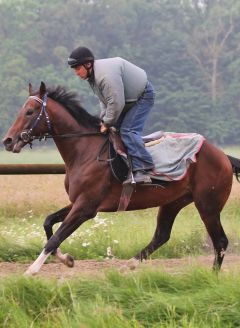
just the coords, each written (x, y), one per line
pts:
(209, 37)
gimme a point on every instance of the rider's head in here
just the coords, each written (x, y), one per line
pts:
(80, 56)
(81, 60)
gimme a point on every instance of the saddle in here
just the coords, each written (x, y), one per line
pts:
(172, 155)
(119, 164)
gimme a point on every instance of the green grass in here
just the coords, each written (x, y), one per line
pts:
(22, 238)
(126, 234)
(37, 155)
(197, 298)
(232, 150)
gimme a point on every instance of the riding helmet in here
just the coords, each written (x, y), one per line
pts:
(80, 56)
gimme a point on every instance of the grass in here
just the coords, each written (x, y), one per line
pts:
(151, 299)
(232, 150)
(125, 233)
(197, 298)
(38, 155)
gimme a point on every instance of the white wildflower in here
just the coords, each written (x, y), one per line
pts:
(85, 244)
(109, 252)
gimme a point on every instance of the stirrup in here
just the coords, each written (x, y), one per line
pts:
(130, 179)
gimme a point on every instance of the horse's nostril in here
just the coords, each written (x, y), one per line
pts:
(7, 141)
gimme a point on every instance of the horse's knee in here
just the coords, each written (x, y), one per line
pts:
(47, 225)
(47, 221)
(52, 244)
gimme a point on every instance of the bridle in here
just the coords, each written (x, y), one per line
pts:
(27, 135)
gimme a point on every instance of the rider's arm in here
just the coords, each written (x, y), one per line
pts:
(112, 90)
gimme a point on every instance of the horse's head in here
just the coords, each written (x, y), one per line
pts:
(32, 118)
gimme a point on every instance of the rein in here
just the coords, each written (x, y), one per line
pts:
(27, 135)
(66, 135)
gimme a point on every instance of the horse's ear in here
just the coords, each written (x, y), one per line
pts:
(42, 89)
(30, 89)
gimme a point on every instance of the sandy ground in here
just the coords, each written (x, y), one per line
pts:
(92, 268)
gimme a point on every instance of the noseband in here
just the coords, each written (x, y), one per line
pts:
(27, 135)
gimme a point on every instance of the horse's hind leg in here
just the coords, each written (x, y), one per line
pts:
(50, 220)
(165, 219)
(212, 183)
(217, 235)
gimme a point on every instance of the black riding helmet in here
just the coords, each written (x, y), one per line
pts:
(80, 56)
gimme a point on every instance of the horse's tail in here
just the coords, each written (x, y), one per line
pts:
(235, 166)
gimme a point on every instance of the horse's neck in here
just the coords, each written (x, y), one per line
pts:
(70, 148)
(62, 121)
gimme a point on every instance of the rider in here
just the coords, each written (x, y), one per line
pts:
(126, 98)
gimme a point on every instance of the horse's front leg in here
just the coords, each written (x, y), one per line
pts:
(79, 213)
(50, 220)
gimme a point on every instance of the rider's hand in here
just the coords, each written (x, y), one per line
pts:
(103, 128)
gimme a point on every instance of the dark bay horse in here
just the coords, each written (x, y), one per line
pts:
(92, 188)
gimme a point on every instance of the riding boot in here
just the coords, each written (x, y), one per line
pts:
(142, 176)
(139, 177)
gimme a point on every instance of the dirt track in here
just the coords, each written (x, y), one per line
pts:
(92, 268)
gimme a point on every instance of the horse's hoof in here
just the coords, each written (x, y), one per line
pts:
(69, 261)
(133, 264)
(123, 268)
(29, 273)
(130, 265)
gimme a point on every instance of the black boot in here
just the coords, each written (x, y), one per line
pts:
(138, 177)
(142, 176)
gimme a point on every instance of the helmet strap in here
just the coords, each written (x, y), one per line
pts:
(90, 76)
(89, 69)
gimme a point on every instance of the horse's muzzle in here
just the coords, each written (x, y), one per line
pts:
(13, 145)
(8, 143)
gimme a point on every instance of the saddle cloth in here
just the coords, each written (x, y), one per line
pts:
(172, 154)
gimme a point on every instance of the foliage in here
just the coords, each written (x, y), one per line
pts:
(148, 299)
(190, 50)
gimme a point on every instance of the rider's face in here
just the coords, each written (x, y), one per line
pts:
(82, 71)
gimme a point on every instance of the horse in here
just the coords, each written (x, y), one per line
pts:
(92, 188)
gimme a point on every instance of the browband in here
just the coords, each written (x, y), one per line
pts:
(37, 99)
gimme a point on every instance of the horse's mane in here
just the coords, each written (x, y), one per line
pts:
(70, 101)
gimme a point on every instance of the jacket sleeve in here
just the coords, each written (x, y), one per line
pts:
(103, 109)
(113, 92)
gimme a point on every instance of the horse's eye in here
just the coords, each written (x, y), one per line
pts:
(29, 112)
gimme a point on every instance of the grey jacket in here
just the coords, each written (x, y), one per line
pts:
(117, 84)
